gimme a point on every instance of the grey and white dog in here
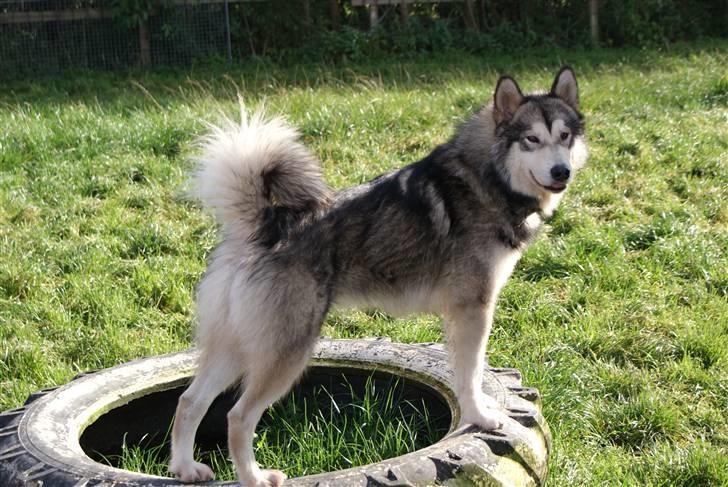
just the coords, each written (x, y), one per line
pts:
(441, 235)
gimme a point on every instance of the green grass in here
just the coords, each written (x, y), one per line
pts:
(320, 431)
(618, 313)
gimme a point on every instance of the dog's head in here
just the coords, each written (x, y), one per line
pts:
(541, 136)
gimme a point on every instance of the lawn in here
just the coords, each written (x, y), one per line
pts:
(618, 313)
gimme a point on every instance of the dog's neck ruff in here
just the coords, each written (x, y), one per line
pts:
(521, 205)
(525, 213)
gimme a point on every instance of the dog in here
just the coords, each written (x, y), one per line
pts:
(441, 236)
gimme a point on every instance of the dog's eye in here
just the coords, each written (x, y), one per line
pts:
(564, 135)
(533, 139)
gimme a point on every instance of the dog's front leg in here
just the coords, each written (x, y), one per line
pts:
(468, 329)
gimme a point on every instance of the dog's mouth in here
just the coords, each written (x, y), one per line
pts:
(555, 187)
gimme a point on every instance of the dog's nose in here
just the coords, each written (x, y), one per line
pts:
(560, 173)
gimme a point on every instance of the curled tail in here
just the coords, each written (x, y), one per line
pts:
(258, 164)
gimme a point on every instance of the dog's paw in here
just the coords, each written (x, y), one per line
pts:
(275, 478)
(486, 419)
(192, 472)
(267, 478)
(482, 411)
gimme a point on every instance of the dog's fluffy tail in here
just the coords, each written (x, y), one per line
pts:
(245, 168)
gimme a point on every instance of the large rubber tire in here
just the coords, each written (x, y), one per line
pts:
(39, 442)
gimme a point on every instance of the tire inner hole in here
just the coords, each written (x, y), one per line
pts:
(332, 419)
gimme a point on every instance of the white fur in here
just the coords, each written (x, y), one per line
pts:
(235, 155)
(503, 262)
(533, 221)
(530, 171)
(579, 153)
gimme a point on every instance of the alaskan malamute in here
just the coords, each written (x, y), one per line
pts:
(441, 235)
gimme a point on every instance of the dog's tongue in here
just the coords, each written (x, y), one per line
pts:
(558, 186)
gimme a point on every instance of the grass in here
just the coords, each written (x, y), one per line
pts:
(618, 313)
(320, 431)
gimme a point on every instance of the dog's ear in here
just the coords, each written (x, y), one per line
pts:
(566, 88)
(506, 100)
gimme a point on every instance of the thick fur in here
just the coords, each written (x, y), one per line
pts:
(441, 235)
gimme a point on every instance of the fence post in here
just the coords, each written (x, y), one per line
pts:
(525, 14)
(307, 18)
(334, 14)
(469, 15)
(145, 49)
(373, 15)
(227, 33)
(403, 12)
(594, 21)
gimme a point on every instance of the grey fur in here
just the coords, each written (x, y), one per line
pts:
(441, 235)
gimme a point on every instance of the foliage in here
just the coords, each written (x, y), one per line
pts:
(131, 12)
(269, 29)
(644, 22)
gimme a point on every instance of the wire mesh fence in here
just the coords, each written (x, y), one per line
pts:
(47, 36)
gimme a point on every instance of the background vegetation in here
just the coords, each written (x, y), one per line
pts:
(618, 313)
(123, 33)
(269, 29)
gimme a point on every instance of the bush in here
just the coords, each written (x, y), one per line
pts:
(278, 32)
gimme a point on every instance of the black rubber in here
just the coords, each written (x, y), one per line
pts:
(40, 443)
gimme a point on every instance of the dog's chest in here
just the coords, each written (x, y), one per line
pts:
(503, 261)
(505, 257)
(516, 233)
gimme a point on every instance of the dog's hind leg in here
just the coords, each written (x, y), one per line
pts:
(264, 384)
(468, 328)
(215, 374)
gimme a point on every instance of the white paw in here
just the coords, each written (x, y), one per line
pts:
(482, 411)
(486, 419)
(192, 472)
(267, 478)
